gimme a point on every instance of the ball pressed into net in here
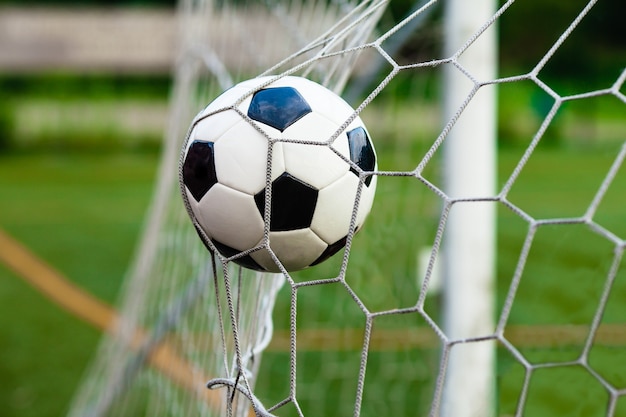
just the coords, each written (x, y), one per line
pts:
(290, 134)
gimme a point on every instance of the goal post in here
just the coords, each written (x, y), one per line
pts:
(469, 246)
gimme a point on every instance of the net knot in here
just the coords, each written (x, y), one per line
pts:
(259, 410)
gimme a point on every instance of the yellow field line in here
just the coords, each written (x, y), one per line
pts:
(51, 283)
(57, 288)
(521, 336)
(163, 357)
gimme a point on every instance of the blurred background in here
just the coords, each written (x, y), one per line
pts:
(84, 90)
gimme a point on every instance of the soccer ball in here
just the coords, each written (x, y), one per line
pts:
(290, 133)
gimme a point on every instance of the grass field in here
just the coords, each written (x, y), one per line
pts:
(82, 213)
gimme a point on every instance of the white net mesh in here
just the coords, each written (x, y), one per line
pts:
(362, 334)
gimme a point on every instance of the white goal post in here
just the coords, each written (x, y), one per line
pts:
(469, 171)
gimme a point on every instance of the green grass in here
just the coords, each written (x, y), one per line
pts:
(82, 213)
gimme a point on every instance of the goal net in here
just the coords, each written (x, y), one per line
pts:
(485, 282)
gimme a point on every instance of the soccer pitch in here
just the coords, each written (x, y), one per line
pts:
(82, 212)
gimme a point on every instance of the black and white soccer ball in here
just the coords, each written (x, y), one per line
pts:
(315, 167)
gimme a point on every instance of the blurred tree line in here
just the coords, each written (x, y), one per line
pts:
(596, 49)
(594, 52)
(592, 57)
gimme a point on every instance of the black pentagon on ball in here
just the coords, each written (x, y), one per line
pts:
(279, 107)
(361, 151)
(332, 249)
(199, 169)
(293, 203)
(245, 261)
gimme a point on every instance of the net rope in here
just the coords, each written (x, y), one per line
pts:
(194, 326)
